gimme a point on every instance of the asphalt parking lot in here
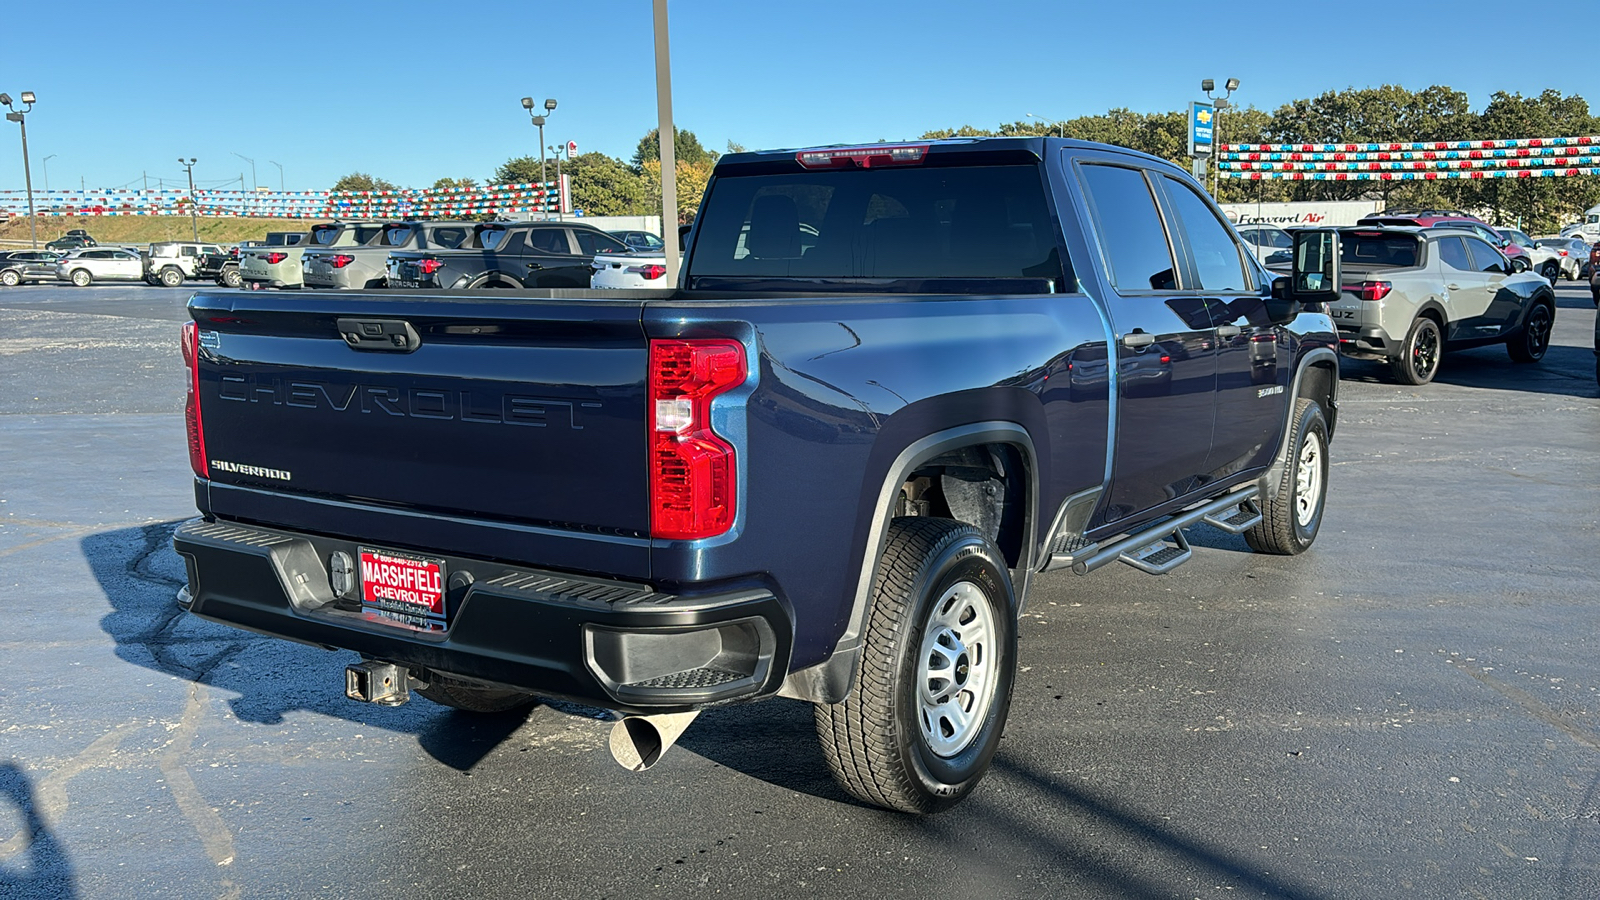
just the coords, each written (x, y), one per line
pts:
(1412, 709)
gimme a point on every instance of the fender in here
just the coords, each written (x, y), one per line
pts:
(1273, 476)
(830, 680)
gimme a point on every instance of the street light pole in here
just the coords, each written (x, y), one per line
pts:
(27, 175)
(194, 222)
(47, 171)
(254, 184)
(280, 175)
(1219, 104)
(1061, 127)
(560, 207)
(668, 139)
(544, 177)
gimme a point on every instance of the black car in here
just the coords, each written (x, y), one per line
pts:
(26, 266)
(507, 255)
(223, 268)
(72, 240)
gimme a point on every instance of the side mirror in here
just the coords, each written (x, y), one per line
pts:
(1314, 275)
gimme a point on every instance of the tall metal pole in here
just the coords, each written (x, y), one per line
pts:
(668, 141)
(561, 210)
(544, 179)
(46, 162)
(280, 174)
(27, 177)
(194, 221)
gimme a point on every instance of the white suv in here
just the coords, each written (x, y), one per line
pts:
(90, 264)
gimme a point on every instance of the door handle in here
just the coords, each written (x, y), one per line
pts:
(1228, 331)
(1453, 287)
(535, 265)
(1136, 339)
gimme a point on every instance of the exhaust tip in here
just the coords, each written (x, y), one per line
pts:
(639, 742)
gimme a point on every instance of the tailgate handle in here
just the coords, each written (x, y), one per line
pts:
(394, 335)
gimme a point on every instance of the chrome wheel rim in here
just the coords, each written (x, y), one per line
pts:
(956, 671)
(1308, 480)
(1425, 351)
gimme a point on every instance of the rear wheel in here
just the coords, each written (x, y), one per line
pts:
(171, 277)
(1292, 515)
(81, 277)
(932, 687)
(1529, 344)
(232, 278)
(463, 695)
(1419, 356)
(1551, 271)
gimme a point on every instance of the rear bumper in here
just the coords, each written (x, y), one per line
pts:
(613, 644)
(1366, 342)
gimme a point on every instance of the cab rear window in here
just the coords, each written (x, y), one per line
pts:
(1378, 250)
(888, 223)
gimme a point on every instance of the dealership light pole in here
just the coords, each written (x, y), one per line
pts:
(280, 174)
(668, 140)
(1060, 126)
(560, 207)
(538, 120)
(194, 223)
(27, 176)
(1220, 104)
(47, 171)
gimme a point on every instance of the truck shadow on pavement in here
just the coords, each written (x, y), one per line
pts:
(32, 863)
(269, 678)
(1564, 371)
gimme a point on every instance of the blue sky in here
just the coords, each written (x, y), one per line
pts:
(412, 91)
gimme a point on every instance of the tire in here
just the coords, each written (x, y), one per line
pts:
(1551, 271)
(81, 277)
(447, 691)
(171, 277)
(942, 602)
(1292, 516)
(231, 278)
(10, 278)
(1533, 339)
(1418, 361)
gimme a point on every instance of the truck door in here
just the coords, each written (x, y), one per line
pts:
(1489, 306)
(1166, 365)
(1250, 401)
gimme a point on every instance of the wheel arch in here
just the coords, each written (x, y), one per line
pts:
(1316, 378)
(960, 446)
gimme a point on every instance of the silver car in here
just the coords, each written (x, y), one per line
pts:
(280, 266)
(90, 264)
(353, 267)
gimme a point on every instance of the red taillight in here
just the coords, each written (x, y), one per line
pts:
(191, 402)
(340, 260)
(865, 157)
(1371, 290)
(429, 266)
(693, 477)
(650, 273)
(275, 258)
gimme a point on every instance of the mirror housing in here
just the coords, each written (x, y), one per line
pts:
(1314, 273)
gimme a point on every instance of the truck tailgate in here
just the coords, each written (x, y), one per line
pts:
(526, 411)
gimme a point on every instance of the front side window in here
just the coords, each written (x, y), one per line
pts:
(1486, 258)
(1216, 256)
(593, 242)
(1131, 236)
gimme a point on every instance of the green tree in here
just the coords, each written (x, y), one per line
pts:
(361, 181)
(463, 184)
(604, 186)
(1537, 204)
(520, 170)
(685, 146)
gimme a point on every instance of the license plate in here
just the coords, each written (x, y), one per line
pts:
(403, 589)
(403, 283)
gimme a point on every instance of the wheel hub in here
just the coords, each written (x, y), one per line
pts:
(956, 670)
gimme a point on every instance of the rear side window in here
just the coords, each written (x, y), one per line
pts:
(591, 243)
(1376, 249)
(395, 235)
(1454, 254)
(887, 223)
(1129, 228)
(1216, 256)
(548, 240)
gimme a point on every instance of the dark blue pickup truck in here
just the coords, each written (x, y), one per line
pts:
(896, 384)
